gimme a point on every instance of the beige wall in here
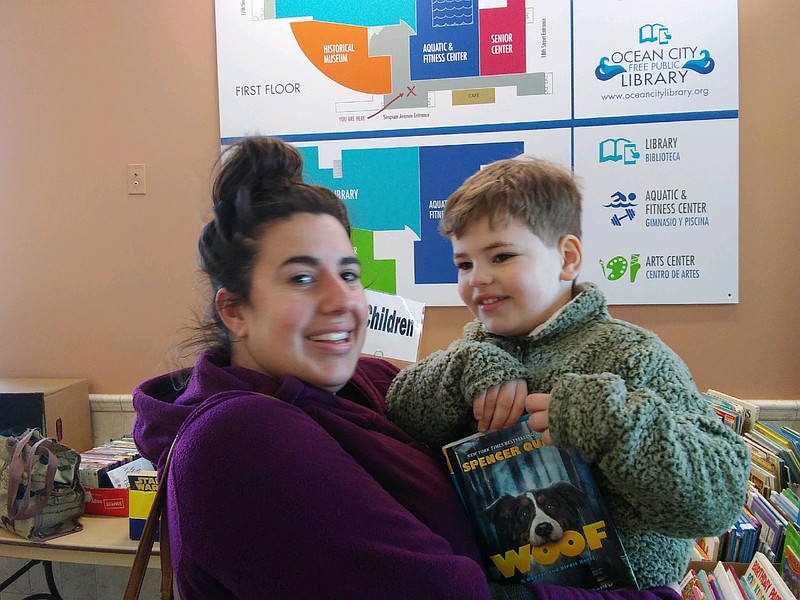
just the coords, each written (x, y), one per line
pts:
(96, 283)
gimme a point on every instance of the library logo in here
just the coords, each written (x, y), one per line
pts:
(617, 267)
(654, 32)
(622, 205)
(655, 61)
(619, 150)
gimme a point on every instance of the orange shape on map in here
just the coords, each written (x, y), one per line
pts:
(341, 52)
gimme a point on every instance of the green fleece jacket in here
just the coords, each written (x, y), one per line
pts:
(668, 468)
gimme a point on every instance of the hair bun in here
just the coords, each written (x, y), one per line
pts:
(272, 159)
(258, 167)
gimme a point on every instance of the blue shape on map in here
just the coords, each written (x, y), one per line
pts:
(379, 186)
(604, 71)
(367, 13)
(446, 44)
(703, 65)
(441, 170)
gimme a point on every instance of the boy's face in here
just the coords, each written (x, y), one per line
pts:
(509, 279)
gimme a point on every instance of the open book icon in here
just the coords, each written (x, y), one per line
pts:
(654, 32)
(619, 149)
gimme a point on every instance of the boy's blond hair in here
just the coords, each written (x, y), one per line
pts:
(541, 194)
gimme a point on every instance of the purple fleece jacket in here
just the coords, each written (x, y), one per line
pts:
(302, 493)
(279, 489)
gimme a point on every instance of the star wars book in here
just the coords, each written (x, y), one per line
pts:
(536, 511)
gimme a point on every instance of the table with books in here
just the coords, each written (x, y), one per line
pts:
(103, 541)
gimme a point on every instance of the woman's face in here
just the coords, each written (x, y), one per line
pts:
(307, 312)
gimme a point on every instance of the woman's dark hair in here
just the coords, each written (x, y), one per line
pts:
(260, 181)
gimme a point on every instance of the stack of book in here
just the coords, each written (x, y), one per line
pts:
(739, 415)
(103, 473)
(741, 542)
(773, 524)
(97, 463)
(758, 580)
(767, 529)
(774, 450)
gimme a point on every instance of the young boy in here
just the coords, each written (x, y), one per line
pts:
(669, 470)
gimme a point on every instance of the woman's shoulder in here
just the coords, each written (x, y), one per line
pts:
(248, 429)
(234, 411)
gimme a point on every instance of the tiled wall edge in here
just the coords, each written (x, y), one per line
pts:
(769, 410)
(778, 410)
(110, 402)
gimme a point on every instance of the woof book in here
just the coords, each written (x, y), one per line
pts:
(537, 512)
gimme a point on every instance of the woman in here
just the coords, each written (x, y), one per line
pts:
(287, 479)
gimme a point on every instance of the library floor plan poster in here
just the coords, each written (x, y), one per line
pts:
(394, 104)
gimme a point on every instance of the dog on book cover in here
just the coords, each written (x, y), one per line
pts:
(540, 519)
(538, 514)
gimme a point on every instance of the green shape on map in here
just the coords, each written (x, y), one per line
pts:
(377, 275)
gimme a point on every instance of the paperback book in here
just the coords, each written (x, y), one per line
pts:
(763, 581)
(790, 565)
(537, 512)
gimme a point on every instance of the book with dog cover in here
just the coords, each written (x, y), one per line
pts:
(537, 512)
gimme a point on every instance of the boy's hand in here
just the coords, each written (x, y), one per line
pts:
(501, 405)
(538, 406)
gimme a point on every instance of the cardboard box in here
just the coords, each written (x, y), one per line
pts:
(106, 501)
(709, 565)
(58, 407)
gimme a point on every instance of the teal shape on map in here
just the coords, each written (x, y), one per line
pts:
(380, 186)
(378, 275)
(355, 12)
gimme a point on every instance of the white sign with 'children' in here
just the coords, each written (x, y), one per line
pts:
(394, 326)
